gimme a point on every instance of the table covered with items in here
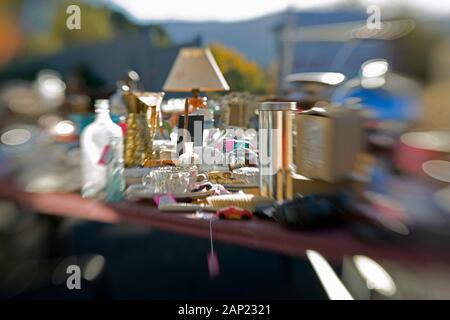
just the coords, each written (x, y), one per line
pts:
(264, 173)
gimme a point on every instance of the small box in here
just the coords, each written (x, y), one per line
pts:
(238, 115)
(327, 143)
(306, 186)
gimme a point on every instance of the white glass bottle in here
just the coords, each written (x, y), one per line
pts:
(101, 145)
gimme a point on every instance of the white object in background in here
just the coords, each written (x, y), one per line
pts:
(375, 275)
(117, 102)
(50, 90)
(334, 288)
(95, 140)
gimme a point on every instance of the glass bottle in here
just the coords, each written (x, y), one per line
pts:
(117, 103)
(101, 150)
(115, 181)
(117, 106)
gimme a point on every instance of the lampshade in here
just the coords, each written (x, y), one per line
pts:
(195, 68)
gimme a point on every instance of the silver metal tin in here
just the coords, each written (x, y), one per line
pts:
(275, 139)
(277, 106)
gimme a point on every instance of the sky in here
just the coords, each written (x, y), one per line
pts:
(233, 10)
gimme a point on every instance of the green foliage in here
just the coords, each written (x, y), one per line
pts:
(159, 36)
(240, 73)
(98, 23)
(95, 26)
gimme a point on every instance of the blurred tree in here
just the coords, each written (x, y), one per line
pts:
(98, 23)
(10, 35)
(272, 77)
(240, 73)
(121, 23)
(95, 26)
(159, 36)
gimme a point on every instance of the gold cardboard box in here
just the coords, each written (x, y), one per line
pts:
(327, 143)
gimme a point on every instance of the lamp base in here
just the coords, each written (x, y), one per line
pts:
(196, 101)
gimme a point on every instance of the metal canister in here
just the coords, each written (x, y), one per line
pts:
(275, 139)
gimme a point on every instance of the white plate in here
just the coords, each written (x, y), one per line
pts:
(186, 207)
(240, 186)
(138, 191)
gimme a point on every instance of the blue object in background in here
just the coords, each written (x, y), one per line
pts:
(386, 105)
(388, 95)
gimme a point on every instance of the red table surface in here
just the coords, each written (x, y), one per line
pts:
(257, 234)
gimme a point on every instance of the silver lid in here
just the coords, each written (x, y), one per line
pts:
(277, 106)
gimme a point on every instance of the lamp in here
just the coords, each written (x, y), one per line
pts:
(195, 70)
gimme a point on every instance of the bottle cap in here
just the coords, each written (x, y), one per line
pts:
(101, 105)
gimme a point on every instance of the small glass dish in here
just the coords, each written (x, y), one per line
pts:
(248, 174)
(168, 179)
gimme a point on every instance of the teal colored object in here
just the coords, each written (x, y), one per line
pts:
(115, 184)
(115, 180)
(81, 121)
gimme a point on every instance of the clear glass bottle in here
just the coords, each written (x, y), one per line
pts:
(102, 155)
(117, 103)
(115, 180)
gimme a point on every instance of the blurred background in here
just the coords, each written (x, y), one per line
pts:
(313, 52)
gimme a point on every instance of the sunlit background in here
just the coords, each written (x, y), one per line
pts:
(313, 52)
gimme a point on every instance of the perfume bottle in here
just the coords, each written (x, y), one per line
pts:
(101, 152)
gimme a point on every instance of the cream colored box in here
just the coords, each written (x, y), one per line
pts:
(327, 143)
(306, 186)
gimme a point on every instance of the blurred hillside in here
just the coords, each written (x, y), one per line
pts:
(40, 26)
(256, 37)
(34, 34)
